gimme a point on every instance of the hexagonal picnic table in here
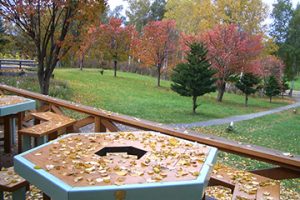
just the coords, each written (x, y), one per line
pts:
(11, 107)
(122, 165)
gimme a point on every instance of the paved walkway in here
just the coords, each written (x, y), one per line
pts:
(238, 118)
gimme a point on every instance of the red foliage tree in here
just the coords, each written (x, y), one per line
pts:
(88, 40)
(271, 66)
(231, 52)
(115, 41)
(156, 44)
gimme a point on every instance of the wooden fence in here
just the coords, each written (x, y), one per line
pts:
(19, 63)
(286, 167)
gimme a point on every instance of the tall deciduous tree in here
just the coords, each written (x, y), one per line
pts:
(290, 51)
(157, 42)
(115, 41)
(231, 52)
(2, 37)
(248, 15)
(49, 25)
(247, 84)
(192, 16)
(196, 16)
(281, 14)
(138, 13)
(195, 77)
(157, 10)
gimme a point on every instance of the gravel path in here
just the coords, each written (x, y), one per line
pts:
(238, 118)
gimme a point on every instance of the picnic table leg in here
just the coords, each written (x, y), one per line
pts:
(12, 122)
(46, 197)
(19, 194)
(41, 140)
(1, 195)
(7, 132)
(26, 143)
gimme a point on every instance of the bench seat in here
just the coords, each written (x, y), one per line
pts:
(51, 125)
(245, 185)
(11, 182)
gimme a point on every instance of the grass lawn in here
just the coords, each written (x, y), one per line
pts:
(138, 96)
(279, 131)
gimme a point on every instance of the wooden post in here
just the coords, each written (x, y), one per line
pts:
(20, 120)
(7, 137)
(20, 65)
(99, 127)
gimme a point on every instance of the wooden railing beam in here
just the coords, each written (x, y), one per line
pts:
(251, 151)
(277, 173)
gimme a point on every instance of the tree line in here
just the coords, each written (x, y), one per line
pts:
(158, 34)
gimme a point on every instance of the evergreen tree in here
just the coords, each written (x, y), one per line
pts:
(195, 77)
(248, 85)
(272, 87)
(284, 85)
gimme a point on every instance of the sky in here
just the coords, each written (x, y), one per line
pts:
(114, 3)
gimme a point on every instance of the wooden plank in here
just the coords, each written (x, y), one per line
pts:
(238, 194)
(277, 173)
(43, 108)
(269, 192)
(110, 126)
(57, 110)
(251, 151)
(84, 122)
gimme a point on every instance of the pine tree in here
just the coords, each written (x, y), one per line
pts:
(284, 85)
(248, 85)
(195, 77)
(272, 87)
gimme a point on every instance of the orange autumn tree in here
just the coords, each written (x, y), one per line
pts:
(114, 41)
(53, 26)
(87, 42)
(158, 41)
(231, 51)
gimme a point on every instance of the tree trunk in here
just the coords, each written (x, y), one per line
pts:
(246, 100)
(81, 64)
(221, 91)
(270, 99)
(158, 74)
(44, 82)
(194, 104)
(115, 68)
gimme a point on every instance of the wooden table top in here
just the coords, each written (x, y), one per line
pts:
(7, 100)
(73, 159)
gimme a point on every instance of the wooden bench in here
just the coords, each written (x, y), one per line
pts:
(11, 182)
(245, 185)
(51, 125)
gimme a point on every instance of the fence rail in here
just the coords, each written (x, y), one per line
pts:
(287, 166)
(18, 63)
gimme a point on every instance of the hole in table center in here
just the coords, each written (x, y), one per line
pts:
(120, 150)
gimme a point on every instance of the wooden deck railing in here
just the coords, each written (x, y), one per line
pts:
(286, 166)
